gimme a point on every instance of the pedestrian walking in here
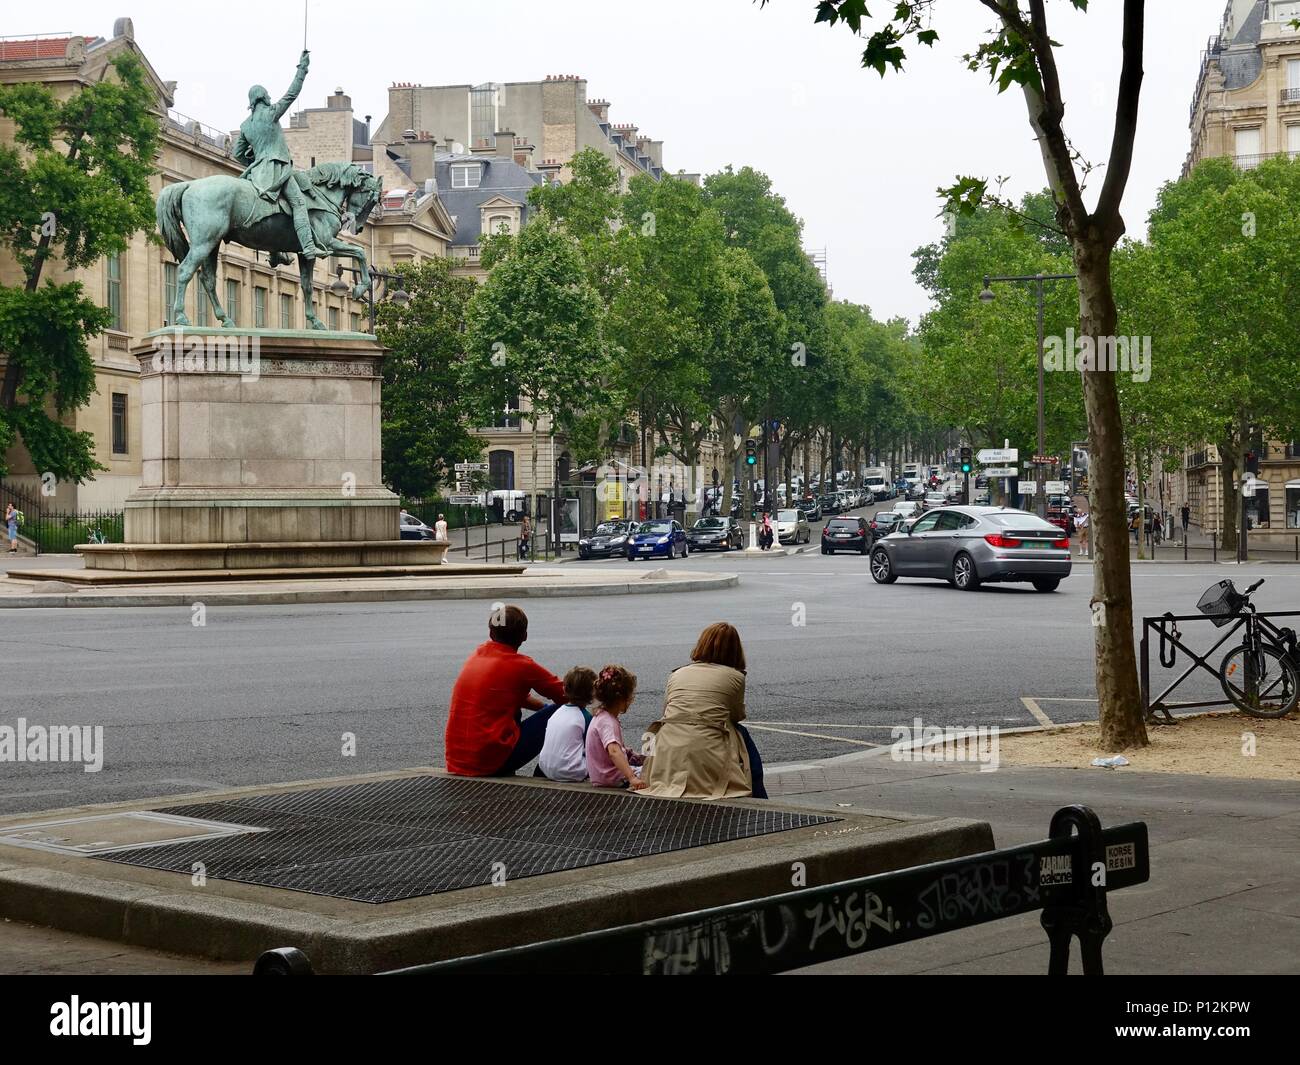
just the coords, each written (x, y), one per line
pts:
(1186, 514)
(1157, 529)
(1081, 523)
(11, 526)
(1135, 525)
(440, 528)
(525, 544)
(765, 535)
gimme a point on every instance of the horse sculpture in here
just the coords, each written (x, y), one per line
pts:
(217, 208)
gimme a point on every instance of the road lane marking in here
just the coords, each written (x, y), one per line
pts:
(812, 735)
(1032, 706)
(827, 724)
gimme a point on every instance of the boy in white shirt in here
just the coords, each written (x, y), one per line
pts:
(564, 751)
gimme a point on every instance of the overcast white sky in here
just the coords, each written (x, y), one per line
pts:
(720, 81)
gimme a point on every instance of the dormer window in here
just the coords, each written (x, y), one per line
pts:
(499, 223)
(466, 176)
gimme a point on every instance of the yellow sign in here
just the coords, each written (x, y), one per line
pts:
(613, 500)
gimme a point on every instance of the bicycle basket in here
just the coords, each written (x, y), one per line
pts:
(1222, 602)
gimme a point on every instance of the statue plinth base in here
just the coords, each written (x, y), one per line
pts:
(260, 447)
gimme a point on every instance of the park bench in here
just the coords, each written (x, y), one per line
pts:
(1067, 876)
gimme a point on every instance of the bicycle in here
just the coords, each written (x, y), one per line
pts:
(1261, 677)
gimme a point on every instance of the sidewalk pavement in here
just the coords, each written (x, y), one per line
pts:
(534, 581)
(1224, 894)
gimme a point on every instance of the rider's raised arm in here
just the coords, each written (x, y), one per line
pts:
(282, 105)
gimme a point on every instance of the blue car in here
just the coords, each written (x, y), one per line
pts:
(658, 538)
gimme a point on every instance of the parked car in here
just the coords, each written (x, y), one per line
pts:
(970, 546)
(412, 528)
(792, 527)
(884, 522)
(811, 509)
(846, 534)
(720, 534)
(830, 504)
(607, 540)
(658, 538)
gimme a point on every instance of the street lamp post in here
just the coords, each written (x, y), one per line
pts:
(386, 280)
(1038, 281)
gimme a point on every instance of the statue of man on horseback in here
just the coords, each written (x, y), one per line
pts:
(270, 207)
(262, 146)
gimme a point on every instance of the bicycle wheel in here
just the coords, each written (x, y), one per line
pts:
(1274, 689)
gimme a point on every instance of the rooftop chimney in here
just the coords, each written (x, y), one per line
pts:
(505, 139)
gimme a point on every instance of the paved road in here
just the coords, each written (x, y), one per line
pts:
(267, 693)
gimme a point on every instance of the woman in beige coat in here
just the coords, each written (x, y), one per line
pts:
(699, 749)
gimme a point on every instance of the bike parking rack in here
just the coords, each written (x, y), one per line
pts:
(1067, 876)
(1157, 711)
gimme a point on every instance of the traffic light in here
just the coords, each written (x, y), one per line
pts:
(1252, 462)
(751, 452)
(966, 466)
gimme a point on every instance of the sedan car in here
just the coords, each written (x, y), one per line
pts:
(905, 508)
(885, 522)
(970, 546)
(659, 538)
(608, 540)
(792, 527)
(412, 528)
(934, 499)
(829, 504)
(846, 534)
(811, 509)
(720, 534)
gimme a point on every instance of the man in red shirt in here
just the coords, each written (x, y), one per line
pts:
(486, 734)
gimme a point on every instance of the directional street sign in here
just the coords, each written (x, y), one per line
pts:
(1028, 488)
(1001, 471)
(1056, 488)
(457, 500)
(998, 454)
(471, 467)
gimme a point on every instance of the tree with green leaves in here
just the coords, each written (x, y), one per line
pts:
(975, 358)
(1218, 286)
(426, 412)
(757, 219)
(536, 330)
(74, 187)
(1020, 51)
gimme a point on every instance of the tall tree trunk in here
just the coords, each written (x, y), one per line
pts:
(1229, 505)
(1118, 695)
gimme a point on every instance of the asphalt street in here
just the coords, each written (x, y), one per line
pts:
(264, 694)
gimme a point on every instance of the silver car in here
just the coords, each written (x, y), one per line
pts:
(792, 527)
(970, 546)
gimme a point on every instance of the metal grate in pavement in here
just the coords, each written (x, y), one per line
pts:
(397, 839)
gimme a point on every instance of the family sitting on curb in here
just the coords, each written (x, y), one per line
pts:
(697, 750)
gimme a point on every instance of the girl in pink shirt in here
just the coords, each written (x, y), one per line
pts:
(609, 762)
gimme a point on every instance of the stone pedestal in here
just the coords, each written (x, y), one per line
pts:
(260, 445)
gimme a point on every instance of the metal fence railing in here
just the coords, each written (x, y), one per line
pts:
(55, 530)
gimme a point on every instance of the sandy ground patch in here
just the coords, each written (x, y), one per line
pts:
(1211, 745)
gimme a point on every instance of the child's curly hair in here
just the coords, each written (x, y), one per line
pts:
(614, 684)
